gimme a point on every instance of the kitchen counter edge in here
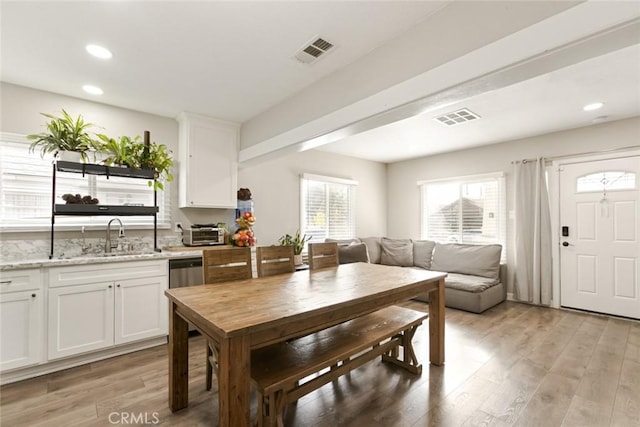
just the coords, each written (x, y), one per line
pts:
(55, 262)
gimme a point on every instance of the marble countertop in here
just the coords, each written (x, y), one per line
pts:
(96, 259)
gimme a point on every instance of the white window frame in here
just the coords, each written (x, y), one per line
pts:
(43, 224)
(330, 180)
(469, 179)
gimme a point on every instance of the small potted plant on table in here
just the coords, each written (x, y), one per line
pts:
(297, 241)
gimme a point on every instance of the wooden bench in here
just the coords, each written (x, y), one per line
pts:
(278, 370)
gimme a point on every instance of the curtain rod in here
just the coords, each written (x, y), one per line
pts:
(590, 153)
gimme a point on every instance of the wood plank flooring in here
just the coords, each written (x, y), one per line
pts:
(514, 365)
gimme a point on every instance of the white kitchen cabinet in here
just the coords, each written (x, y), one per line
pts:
(80, 319)
(21, 319)
(208, 162)
(141, 309)
(92, 307)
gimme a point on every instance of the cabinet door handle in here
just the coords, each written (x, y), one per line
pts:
(110, 286)
(118, 284)
(6, 282)
(33, 295)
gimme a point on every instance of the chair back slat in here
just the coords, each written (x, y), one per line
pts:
(223, 265)
(274, 260)
(322, 255)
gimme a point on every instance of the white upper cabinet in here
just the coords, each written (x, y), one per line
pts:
(208, 162)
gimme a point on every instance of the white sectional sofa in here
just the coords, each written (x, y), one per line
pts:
(474, 282)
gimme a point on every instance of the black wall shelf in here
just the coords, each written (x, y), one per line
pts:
(97, 209)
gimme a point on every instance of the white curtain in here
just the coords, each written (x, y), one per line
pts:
(533, 233)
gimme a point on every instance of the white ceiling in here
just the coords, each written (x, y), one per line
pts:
(229, 60)
(543, 104)
(232, 60)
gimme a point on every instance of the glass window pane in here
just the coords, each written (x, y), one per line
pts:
(327, 210)
(609, 181)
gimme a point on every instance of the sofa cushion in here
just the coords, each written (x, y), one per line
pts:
(342, 242)
(475, 260)
(397, 252)
(422, 253)
(373, 247)
(465, 282)
(355, 252)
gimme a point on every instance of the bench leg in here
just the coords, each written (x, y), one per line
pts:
(410, 361)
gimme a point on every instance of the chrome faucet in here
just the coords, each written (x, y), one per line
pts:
(107, 244)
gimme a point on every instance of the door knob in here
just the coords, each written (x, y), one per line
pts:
(565, 244)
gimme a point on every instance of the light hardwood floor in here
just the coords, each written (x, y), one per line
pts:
(512, 365)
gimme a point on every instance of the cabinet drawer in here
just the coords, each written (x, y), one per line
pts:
(94, 273)
(20, 280)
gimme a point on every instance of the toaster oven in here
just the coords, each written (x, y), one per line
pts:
(199, 235)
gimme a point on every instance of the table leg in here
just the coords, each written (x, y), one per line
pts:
(178, 361)
(436, 325)
(234, 382)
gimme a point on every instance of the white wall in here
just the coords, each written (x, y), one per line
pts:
(275, 184)
(275, 188)
(402, 177)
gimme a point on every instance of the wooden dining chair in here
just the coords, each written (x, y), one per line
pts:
(322, 255)
(273, 260)
(223, 265)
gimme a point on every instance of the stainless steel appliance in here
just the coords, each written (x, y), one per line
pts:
(185, 272)
(202, 235)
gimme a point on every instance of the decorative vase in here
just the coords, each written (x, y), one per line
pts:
(297, 259)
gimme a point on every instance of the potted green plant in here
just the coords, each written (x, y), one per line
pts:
(64, 134)
(131, 152)
(297, 241)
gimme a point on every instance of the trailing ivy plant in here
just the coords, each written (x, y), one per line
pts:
(133, 153)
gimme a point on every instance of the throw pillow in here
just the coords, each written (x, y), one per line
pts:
(397, 252)
(373, 247)
(422, 253)
(355, 252)
(476, 260)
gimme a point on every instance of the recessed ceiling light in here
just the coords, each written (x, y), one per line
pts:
(93, 90)
(99, 51)
(593, 106)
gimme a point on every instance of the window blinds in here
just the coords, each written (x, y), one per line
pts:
(327, 207)
(464, 210)
(26, 184)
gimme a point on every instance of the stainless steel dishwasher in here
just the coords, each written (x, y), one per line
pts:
(185, 272)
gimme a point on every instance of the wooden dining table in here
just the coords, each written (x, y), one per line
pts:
(247, 314)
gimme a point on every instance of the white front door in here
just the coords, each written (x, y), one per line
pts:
(600, 226)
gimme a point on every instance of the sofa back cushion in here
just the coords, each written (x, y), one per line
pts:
(422, 253)
(342, 242)
(355, 252)
(476, 260)
(397, 252)
(373, 247)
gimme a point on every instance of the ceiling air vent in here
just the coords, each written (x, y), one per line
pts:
(457, 117)
(313, 50)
